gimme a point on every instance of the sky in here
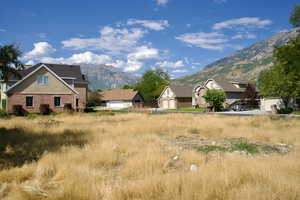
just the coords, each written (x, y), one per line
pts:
(180, 36)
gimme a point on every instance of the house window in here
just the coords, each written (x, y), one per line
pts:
(56, 101)
(42, 80)
(29, 101)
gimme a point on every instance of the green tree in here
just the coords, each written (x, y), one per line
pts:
(94, 99)
(283, 78)
(9, 61)
(215, 98)
(152, 83)
(295, 16)
(128, 87)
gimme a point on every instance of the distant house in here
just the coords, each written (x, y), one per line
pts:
(266, 104)
(51, 84)
(176, 96)
(233, 89)
(121, 98)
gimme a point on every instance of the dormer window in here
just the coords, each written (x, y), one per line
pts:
(42, 80)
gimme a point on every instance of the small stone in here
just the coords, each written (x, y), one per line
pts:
(213, 143)
(175, 157)
(194, 168)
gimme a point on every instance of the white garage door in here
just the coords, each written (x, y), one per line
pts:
(118, 105)
(172, 104)
(165, 104)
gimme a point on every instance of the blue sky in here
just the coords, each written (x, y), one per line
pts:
(181, 36)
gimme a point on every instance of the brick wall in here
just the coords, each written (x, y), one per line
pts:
(82, 90)
(38, 99)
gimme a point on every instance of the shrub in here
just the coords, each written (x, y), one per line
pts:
(3, 114)
(45, 109)
(89, 110)
(285, 111)
(215, 98)
(18, 110)
(68, 107)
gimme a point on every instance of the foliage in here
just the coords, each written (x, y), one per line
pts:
(94, 99)
(152, 83)
(295, 16)
(283, 78)
(128, 87)
(68, 107)
(215, 98)
(3, 114)
(45, 109)
(9, 61)
(285, 111)
(18, 110)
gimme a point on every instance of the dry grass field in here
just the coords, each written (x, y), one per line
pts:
(130, 156)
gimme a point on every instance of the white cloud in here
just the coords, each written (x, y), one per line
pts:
(128, 66)
(111, 40)
(143, 52)
(244, 36)
(162, 2)
(250, 22)
(179, 71)
(2, 30)
(41, 49)
(213, 41)
(168, 64)
(157, 25)
(86, 57)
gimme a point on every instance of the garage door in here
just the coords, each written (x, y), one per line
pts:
(165, 104)
(118, 105)
(172, 104)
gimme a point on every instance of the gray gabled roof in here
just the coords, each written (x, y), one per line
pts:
(61, 70)
(227, 85)
(182, 90)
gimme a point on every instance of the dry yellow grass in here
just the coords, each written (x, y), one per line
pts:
(90, 156)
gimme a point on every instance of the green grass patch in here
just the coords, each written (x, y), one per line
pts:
(296, 112)
(188, 110)
(241, 146)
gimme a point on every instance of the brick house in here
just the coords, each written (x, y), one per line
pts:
(51, 84)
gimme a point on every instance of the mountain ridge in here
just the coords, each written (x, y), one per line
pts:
(245, 64)
(102, 76)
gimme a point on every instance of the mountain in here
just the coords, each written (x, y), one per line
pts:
(105, 76)
(245, 64)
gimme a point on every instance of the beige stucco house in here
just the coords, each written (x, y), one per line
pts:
(233, 89)
(51, 84)
(176, 96)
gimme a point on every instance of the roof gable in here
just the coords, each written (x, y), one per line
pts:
(118, 94)
(228, 85)
(182, 90)
(61, 70)
(34, 71)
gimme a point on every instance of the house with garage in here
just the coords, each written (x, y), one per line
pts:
(176, 96)
(234, 91)
(121, 98)
(54, 85)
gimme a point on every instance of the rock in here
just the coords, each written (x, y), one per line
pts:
(194, 168)
(175, 158)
